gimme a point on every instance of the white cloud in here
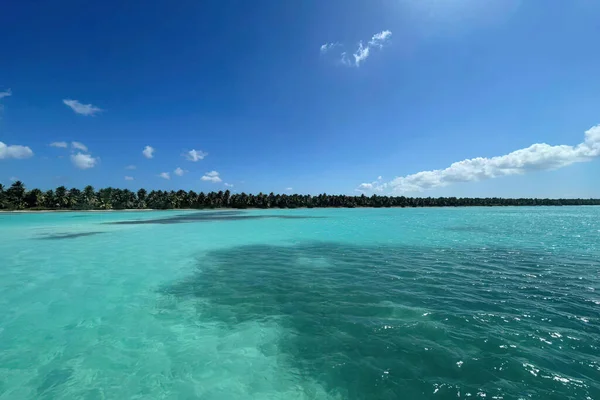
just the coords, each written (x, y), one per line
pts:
(179, 172)
(4, 94)
(13, 178)
(14, 151)
(79, 146)
(328, 46)
(83, 109)
(62, 145)
(195, 155)
(129, 178)
(212, 176)
(289, 189)
(379, 39)
(84, 161)
(130, 167)
(228, 184)
(165, 175)
(363, 51)
(148, 152)
(537, 157)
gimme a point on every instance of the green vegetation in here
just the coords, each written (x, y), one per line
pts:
(18, 198)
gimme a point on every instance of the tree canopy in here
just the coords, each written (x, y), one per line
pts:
(17, 197)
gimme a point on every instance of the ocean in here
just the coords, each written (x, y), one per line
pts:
(439, 303)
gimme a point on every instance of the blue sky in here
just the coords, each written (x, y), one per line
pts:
(339, 96)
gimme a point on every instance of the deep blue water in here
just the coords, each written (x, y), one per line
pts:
(495, 303)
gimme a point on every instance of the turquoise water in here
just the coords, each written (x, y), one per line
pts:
(495, 303)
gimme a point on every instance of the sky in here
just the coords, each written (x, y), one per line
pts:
(397, 97)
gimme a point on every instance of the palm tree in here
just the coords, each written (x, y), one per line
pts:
(74, 199)
(104, 198)
(61, 197)
(182, 199)
(49, 200)
(34, 198)
(3, 202)
(89, 197)
(16, 195)
(141, 197)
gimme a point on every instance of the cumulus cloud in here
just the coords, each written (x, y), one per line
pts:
(83, 109)
(84, 161)
(377, 186)
(79, 146)
(228, 184)
(148, 152)
(165, 175)
(179, 172)
(62, 145)
(362, 52)
(195, 155)
(129, 178)
(14, 151)
(537, 157)
(130, 167)
(212, 176)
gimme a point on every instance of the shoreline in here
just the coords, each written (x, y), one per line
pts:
(133, 210)
(70, 211)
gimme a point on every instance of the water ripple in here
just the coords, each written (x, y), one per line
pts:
(383, 322)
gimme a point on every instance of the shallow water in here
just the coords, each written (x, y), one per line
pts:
(498, 303)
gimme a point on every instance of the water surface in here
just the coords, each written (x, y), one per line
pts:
(498, 303)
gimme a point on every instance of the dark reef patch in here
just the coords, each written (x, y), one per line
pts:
(74, 235)
(208, 216)
(53, 380)
(389, 322)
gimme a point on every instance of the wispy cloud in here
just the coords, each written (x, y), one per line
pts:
(79, 146)
(362, 52)
(5, 93)
(195, 155)
(289, 189)
(212, 176)
(62, 145)
(228, 184)
(13, 178)
(130, 167)
(84, 161)
(537, 157)
(14, 151)
(83, 109)
(129, 178)
(379, 39)
(328, 46)
(148, 152)
(179, 172)
(164, 175)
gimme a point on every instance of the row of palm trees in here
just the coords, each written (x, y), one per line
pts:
(17, 197)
